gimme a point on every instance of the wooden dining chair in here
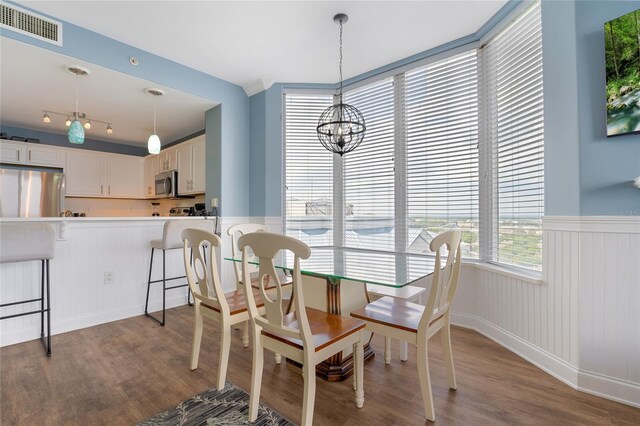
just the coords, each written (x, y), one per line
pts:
(307, 336)
(210, 300)
(235, 232)
(415, 323)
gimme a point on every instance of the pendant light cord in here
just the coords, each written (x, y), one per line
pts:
(341, 61)
(77, 92)
(154, 114)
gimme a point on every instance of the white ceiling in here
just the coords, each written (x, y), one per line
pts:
(284, 41)
(34, 79)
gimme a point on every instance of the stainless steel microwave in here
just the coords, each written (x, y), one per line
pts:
(167, 184)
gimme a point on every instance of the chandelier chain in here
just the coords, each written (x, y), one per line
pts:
(341, 61)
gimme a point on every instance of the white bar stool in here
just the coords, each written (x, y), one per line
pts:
(24, 242)
(171, 240)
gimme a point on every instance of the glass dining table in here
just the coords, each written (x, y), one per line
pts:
(335, 280)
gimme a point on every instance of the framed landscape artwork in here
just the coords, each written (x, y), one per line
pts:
(622, 55)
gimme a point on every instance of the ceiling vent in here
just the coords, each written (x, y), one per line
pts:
(30, 24)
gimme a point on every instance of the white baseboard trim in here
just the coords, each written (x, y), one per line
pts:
(76, 323)
(609, 387)
(584, 381)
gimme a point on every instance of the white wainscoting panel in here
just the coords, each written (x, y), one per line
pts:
(582, 324)
(609, 313)
(79, 296)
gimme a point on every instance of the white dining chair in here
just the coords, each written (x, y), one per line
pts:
(415, 323)
(307, 336)
(210, 300)
(235, 232)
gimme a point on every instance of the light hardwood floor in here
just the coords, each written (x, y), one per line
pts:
(126, 371)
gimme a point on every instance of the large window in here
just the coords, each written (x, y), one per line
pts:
(368, 182)
(442, 151)
(308, 171)
(514, 141)
(455, 143)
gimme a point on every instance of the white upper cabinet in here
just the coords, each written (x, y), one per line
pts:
(101, 174)
(191, 166)
(95, 174)
(12, 152)
(150, 172)
(199, 165)
(125, 176)
(184, 157)
(31, 154)
(167, 160)
(85, 173)
(45, 156)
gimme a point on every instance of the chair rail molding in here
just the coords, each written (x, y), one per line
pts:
(616, 224)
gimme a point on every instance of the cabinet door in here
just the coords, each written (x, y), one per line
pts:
(183, 152)
(42, 156)
(198, 166)
(172, 158)
(150, 172)
(12, 152)
(125, 176)
(85, 174)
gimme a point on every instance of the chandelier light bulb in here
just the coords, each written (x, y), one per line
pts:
(109, 129)
(68, 122)
(46, 118)
(87, 125)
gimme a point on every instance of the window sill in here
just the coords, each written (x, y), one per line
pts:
(533, 278)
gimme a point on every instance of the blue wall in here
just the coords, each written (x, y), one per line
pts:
(56, 139)
(231, 131)
(257, 158)
(607, 165)
(561, 143)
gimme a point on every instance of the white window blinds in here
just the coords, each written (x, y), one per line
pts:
(308, 171)
(513, 133)
(441, 103)
(369, 171)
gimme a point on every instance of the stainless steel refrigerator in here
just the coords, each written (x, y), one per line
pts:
(32, 192)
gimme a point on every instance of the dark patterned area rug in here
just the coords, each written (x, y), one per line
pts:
(230, 406)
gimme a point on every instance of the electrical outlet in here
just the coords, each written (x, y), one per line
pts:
(214, 202)
(108, 277)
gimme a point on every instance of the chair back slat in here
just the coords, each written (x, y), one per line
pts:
(266, 247)
(445, 277)
(202, 271)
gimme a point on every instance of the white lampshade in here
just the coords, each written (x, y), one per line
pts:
(153, 144)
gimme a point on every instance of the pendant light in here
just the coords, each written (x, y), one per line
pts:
(341, 127)
(153, 144)
(76, 132)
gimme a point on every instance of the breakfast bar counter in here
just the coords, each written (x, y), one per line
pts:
(100, 274)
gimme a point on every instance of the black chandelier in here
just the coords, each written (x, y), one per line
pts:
(341, 127)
